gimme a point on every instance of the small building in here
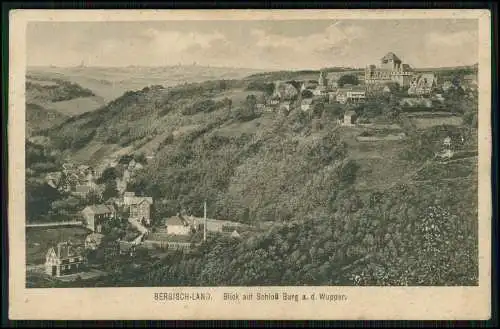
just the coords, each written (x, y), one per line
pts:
(350, 118)
(235, 234)
(439, 98)
(82, 190)
(275, 100)
(416, 102)
(64, 259)
(447, 142)
(422, 84)
(177, 225)
(306, 104)
(447, 85)
(68, 166)
(215, 225)
(93, 241)
(285, 107)
(53, 179)
(352, 94)
(127, 248)
(96, 215)
(139, 207)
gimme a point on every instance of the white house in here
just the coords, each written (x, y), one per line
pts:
(349, 118)
(64, 259)
(177, 226)
(352, 94)
(93, 241)
(306, 104)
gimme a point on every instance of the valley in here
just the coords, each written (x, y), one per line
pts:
(343, 210)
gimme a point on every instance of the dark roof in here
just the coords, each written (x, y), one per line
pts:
(67, 249)
(97, 237)
(175, 220)
(125, 245)
(82, 189)
(100, 209)
(391, 56)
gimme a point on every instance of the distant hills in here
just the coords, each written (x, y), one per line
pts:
(110, 83)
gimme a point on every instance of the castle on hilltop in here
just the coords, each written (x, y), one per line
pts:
(390, 69)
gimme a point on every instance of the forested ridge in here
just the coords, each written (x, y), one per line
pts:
(255, 168)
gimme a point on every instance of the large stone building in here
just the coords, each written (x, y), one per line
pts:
(390, 69)
(96, 215)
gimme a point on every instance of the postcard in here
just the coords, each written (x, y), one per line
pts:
(249, 164)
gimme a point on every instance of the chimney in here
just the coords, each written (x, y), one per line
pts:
(205, 221)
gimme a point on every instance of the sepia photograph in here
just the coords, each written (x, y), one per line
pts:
(254, 151)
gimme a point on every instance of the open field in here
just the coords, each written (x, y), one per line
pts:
(78, 105)
(39, 240)
(423, 123)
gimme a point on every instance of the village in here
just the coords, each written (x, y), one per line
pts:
(390, 78)
(123, 224)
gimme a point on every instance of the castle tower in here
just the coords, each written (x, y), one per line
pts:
(322, 81)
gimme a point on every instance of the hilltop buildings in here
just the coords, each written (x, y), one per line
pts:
(422, 84)
(353, 94)
(390, 69)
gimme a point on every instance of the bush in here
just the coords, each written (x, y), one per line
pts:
(348, 79)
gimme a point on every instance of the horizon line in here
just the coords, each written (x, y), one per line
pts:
(229, 67)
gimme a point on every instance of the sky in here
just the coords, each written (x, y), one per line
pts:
(272, 44)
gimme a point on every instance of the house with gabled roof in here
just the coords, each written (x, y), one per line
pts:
(64, 259)
(96, 215)
(306, 104)
(422, 84)
(139, 207)
(178, 225)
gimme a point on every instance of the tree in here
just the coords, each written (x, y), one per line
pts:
(222, 85)
(110, 190)
(318, 109)
(108, 175)
(247, 110)
(348, 79)
(306, 93)
(140, 157)
(93, 197)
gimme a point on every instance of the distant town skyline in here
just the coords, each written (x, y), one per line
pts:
(272, 44)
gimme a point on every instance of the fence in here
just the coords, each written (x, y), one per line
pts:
(166, 245)
(55, 224)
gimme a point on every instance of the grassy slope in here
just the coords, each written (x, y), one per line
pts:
(38, 117)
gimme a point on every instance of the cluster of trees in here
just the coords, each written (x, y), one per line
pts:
(406, 236)
(61, 90)
(348, 79)
(206, 106)
(233, 172)
(247, 111)
(423, 146)
(258, 85)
